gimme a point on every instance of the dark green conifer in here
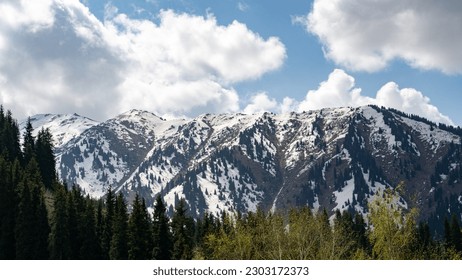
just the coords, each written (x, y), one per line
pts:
(29, 143)
(107, 224)
(162, 239)
(46, 157)
(182, 232)
(119, 242)
(8, 206)
(59, 242)
(90, 249)
(139, 232)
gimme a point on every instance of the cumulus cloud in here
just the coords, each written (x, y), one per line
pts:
(55, 55)
(339, 90)
(366, 35)
(261, 102)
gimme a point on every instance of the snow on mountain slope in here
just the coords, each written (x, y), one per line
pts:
(63, 127)
(333, 158)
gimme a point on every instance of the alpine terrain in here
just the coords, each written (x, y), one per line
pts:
(327, 159)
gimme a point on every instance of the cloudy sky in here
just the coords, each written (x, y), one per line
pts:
(184, 58)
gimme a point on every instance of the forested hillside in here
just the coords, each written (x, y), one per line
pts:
(41, 218)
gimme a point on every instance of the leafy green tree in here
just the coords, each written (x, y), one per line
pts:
(394, 231)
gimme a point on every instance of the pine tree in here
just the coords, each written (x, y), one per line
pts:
(99, 227)
(32, 228)
(8, 205)
(162, 240)
(29, 143)
(107, 224)
(59, 242)
(90, 249)
(42, 227)
(9, 137)
(139, 232)
(119, 241)
(24, 232)
(75, 211)
(45, 157)
(182, 233)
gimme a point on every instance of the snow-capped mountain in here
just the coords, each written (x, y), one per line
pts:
(331, 158)
(63, 127)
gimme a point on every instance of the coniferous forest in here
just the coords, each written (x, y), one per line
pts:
(41, 218)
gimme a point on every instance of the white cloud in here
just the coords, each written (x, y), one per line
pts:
(366, 35)
(261, 102)
(243, 7)
(411, 101)
(339, 91)
(64, 59)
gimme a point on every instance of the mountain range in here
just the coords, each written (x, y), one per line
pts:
(336, 158)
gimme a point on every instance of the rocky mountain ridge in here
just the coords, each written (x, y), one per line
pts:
(331, 158)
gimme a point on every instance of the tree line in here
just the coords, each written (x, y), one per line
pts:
(41, 218)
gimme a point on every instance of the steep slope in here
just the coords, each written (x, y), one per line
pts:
(63, 127)
(331, 158)
(107, 153)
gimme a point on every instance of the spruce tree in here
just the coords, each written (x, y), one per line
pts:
(76, 210)
(32, 228)
(119, 242)
(46, 157)
(139, 232)
(182, 232)
(9, 137)
(107, 224)
(90, 249)
(8, 207)
(24, 232)
(29, 143)
(162, 239)
(59, 242)
(99, 227)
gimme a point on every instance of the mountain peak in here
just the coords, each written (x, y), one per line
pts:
(334, 158)
(63, 127)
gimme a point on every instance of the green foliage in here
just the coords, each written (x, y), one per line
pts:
(40, 219)
(46, 157)
(139, 232)
(394, 233)
(162, 237)
(119, 241)
(59, 242)
(182, 233)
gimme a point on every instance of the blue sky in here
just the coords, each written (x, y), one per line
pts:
(284, 56)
